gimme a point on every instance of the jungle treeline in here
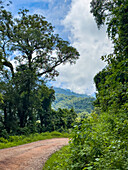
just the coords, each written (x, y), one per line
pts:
(30, 51)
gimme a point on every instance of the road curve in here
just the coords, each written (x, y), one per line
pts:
(30, 156)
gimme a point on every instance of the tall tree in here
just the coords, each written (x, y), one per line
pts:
(33, 38)
(39, 51)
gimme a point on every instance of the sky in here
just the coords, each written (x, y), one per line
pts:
(73, 22)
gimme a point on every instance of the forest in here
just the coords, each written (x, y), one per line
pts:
(99, 141)
(81, 103)
(25, 105)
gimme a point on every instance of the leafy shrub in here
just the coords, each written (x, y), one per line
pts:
(100, 142)
(3, 140)
(15, 138)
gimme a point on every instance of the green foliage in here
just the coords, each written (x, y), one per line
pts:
(34, 39)
(27, 110)
(24, 97)
(1, 98)
(98, 142)
(60, 120)
(112, 81)
(80, 104)
(113, 97)
(23, 139)
(58, 160)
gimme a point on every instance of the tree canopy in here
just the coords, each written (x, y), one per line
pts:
(32, 38)
(30, 51)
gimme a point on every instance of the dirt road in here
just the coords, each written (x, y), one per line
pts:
(30, 156)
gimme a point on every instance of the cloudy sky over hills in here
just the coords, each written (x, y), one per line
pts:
(73, 22)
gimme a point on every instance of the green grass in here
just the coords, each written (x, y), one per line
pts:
(19, 140)
(58, 160)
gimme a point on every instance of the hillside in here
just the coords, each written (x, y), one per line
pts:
(68, 99)
(68, 92)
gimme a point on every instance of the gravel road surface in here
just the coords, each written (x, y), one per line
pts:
(30, 156)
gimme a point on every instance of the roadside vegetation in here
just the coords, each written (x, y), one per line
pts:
(58, 160)
(97, 142)
(19, 140)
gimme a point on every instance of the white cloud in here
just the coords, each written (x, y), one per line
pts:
(91, 44)
(84, 35)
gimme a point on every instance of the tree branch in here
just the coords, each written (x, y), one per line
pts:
(8, 64)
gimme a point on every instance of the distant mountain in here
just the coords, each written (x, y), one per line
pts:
(67, 99)
(68, 92)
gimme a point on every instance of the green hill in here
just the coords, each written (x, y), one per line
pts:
(68, 92)
(68, 99)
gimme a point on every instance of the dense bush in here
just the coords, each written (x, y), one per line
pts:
(98, 142)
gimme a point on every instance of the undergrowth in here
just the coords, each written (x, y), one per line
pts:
(58, 160)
